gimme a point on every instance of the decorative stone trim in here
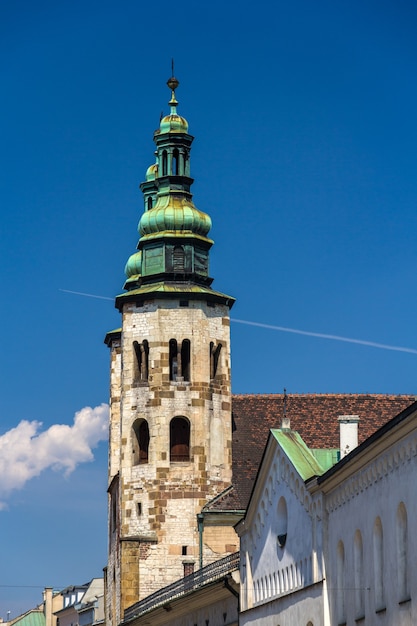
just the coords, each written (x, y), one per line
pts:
(399, 454)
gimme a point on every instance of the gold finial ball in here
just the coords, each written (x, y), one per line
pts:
(173, 83)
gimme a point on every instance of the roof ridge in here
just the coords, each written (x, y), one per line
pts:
(325, 395)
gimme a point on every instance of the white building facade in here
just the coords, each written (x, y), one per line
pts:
(337, 547)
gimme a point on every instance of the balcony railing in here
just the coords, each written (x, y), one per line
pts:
(201, 577)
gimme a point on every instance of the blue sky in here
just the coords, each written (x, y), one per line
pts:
(305, 158)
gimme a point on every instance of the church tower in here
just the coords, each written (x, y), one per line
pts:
(170, 396)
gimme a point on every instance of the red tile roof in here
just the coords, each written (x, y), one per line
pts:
(314, 416)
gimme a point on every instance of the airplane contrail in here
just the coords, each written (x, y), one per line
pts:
(296, 331)
(87, 295)
(284, 329)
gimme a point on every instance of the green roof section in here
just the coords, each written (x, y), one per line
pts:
(299, 454)
(327, 457)
(166, 290)
(32, 618)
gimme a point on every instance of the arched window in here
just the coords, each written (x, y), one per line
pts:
(175, 162)
(150, 203)
(140, 441)
(214, 358)
(178, 259)
(359, 575)
(403, 592)
(340, 589)
(378, 545)
(185, 359)
(164, 163)
(179, 360)
(142, 360)
(173, 359)
(179, 436)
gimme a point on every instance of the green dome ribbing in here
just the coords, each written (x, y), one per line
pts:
(174, 214)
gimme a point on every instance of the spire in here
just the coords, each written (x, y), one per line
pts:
(173, 122)
(173, 84)
(173, 248)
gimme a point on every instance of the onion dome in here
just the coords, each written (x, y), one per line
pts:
(173, 213)
(134, 264)
(173, 123)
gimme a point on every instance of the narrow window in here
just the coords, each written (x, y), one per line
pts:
(340, 577)
(164, 163)
(403, 593)
(185, 359)
(175, 162)
(178, 259)
(214, 358)
(378, 545)
(140, 441)
(282, 522)
(149, 203)
(113, 513)
(173, 359)
(142, 360)
(179, 431)
(359, 575)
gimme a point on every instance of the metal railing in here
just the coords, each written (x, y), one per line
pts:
(193, 581)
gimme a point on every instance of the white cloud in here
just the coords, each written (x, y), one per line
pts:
(25, 451)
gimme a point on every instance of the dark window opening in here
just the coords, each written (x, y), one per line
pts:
(178, 259)
(173, 359)
(164, 163)
(175, 162)
(214, 358)
(185, 359)
(142, 360)
(140, 442)
(179, 360)
(139, 507)
(184, 550)
(113, 513)
(150, 203)
(179, 431)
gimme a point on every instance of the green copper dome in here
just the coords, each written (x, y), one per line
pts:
(173, 123)
(134, 264)
(174, 214)
(152, 172)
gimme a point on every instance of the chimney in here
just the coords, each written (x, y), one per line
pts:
(348, 433)
(47, 598)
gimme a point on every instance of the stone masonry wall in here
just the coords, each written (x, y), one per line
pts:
(159, 500)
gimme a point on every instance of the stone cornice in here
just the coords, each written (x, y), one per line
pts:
(398, 454)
